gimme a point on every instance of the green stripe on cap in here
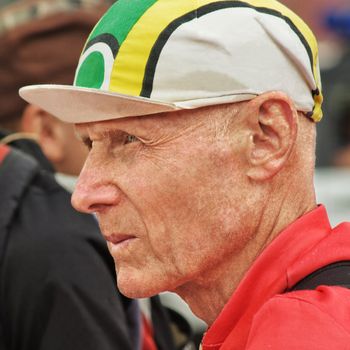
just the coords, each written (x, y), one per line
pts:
(120, 18)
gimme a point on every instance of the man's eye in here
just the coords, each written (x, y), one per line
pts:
(130, 139)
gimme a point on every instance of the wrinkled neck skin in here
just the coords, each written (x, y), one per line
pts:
(207, 294)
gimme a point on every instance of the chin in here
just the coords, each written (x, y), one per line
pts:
(137, 286)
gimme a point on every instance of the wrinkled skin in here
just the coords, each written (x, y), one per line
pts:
(171, 188)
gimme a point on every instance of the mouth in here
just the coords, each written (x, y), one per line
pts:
(116, 239)
(119, 245)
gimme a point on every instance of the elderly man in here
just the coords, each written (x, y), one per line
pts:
(48, 251)
(200, 120)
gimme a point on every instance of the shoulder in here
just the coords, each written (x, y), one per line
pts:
(46, 208)
(51, 248)
(45, 229)
(308, 319)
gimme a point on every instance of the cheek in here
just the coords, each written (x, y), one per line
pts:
(208, 220)
(186, 226)
(187, 207)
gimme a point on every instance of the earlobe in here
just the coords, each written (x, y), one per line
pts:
(273, 136)
(47, 131)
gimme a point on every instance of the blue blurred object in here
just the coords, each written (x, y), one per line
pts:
(339, 22)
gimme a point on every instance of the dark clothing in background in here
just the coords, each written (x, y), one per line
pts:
(57, 279)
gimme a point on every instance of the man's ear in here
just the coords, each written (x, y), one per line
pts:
(48, 132)
(273, 123)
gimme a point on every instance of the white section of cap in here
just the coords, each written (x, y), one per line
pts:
(291, 58)
(289, 42)
(108, 59)
(229, 52)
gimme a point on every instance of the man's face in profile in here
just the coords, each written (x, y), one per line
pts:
(167, 190)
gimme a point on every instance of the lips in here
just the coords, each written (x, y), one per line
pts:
(118, 238)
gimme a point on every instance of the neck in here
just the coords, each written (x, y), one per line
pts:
(208, 294)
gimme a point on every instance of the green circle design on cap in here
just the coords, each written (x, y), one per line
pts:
(96, 62)
(93, 63)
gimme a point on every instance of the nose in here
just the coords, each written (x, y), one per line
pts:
(93, 193)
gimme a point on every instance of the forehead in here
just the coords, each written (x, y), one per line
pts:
(170, 121)
(121, 123)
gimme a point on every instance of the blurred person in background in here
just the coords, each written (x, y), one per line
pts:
(342, 155)
(57, 286)
(330, 21)
(337, 84)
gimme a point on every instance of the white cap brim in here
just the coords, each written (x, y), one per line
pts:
(82, 105)
(76, 105)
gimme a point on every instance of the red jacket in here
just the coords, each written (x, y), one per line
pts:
(261, 316)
